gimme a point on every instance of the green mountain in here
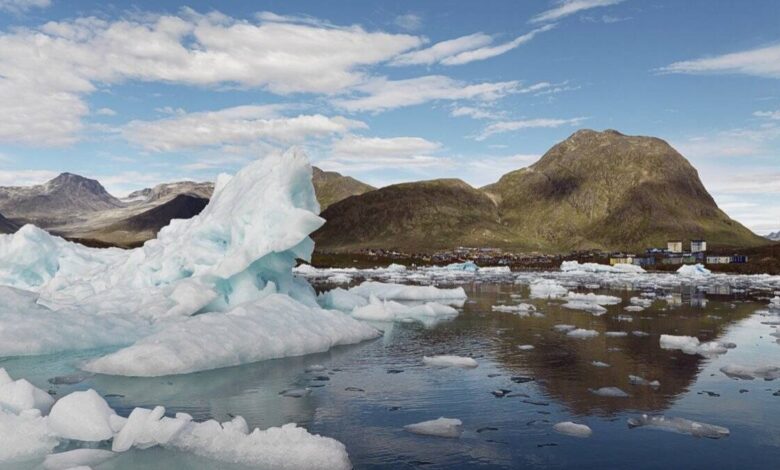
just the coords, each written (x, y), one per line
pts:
(595, 190)
(332, 187)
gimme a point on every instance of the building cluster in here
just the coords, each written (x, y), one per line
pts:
(674, 254)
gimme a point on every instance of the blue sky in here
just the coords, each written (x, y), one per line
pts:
(387, 91)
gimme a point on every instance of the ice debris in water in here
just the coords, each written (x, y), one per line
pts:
(589, 302)
(388, 310)
(636, 380)
(211, 291)
(691, 345)
(386, 291)
(442, 427)
(611, 392)
(564, 328)
(450, 361)
(468, 266)
(85, 416)
(20, 395)
(679, 425)
(599, 364)
(547, 289)
(615, 334)
(774, 303)
(582, 333)
(736, 371)
(574, 267)
(572, 429)
(693, 270)
(521, 310)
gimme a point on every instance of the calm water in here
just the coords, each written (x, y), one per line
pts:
(510, 432)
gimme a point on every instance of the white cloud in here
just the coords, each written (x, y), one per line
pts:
(442, 50)
(509, 126)
(570, 7)
(492, 51)
(773, 115)
(105, 112)
(761, 62)
(238, 125)
(25, 177)
(357, 153)
(382, 94)
(749, 142)
(475, 113)
(46, 72)
(20, 6)
(488, 169)
(409, 22)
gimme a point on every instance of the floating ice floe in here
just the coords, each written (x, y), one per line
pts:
(203, 294)
(468, 266)
(736, 371)
(599, 364)
(442, 427)
(615, 334)
(386, 291)
(86, 417)
(693, 270)
(774, 303)
(20, 395)
(526, 347)
(572, 429)
(428, 313)
(450, 361)
(564, 328)
(692, 345)
(636, 380)
(547, 289)
(590, 302)
(582, 333)
(522, 310)
(576, 267)
(610, 392)
(679, 425)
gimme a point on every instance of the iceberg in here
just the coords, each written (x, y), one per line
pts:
(468, 266)
(442, 427)
(212, 291)
(693, 270)
(388, 310)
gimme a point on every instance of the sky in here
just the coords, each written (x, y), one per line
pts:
(139, 93)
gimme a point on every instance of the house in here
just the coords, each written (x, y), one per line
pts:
(621, 259)
(718, 259)
(698, 246)
(739, 259)
(674, 246)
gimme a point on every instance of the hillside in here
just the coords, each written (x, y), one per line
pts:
(438, 214)
(595, 190)
(6, 226)
(332, 187)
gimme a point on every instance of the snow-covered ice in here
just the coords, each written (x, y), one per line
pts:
(387, 291)
(442, 427)
(82, 416)
(450, 361)
(572, 429)
(547, 289)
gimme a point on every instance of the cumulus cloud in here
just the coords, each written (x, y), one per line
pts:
(47, 71)
(381, 94)
(509, 126)
(357, 153)
(20, 6)
(239, 125)
(569, 7)
(760, 62)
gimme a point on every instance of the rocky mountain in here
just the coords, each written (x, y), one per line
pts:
(774, 236)
(595, 190)
(332, 187)
(7, 226)
(57, 200)
(167, 191)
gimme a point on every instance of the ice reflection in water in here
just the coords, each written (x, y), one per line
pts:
(369, 392)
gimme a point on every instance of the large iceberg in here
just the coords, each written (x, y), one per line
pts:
(212, 291)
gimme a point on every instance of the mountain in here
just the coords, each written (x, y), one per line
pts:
(137, 228)
(6, 226)
(56, 200)
(167, 191)
(332, 187)
(774, 236)
(438, 214)
(595, 190)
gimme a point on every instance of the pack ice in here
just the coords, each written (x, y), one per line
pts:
(213, 291)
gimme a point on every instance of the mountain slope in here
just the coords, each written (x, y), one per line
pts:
(57, 200)
(774, 236)
(437, 214)
(611, 191)
(595, 190)
(332, 187)
(167, 191)
(6, 226)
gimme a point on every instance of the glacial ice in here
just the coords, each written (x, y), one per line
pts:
(691, 345)
(386, 291)
(573, 429)
(547, 289)
(211, 291)
(77, 458)
(24, 436)
(679, 425)
(450, 361)
(19, 395)
(468, 266)
(442, 427)
(693, 270)
(736, 371)
(83, 416)
(428, 313)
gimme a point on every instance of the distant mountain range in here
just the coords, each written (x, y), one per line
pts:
(594, 190)
(774, 236)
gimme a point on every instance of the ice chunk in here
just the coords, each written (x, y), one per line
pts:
(694, 270)
(774, 303)
(77, 458)
(592, 298)
(564, 328)
(468, 266)
(736, 371)
(340, 299)
(691, 345)
(679, 425)
(272, 327)
(82, 416)
(636, 380)
(4, 377)
(386, 291)
(576, 267)
(582, 333)
(396, 268)
(615, 334)
(595, 309)
(442, 427)
(526, 347)
(599, 364)
(24, 436)
(547, 289)
(573, 429)
(20, 395)
(450, 361)
(522, 310)
(388, 310)
(610, 392)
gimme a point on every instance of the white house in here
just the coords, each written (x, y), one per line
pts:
(674, 247)
(698, 246)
